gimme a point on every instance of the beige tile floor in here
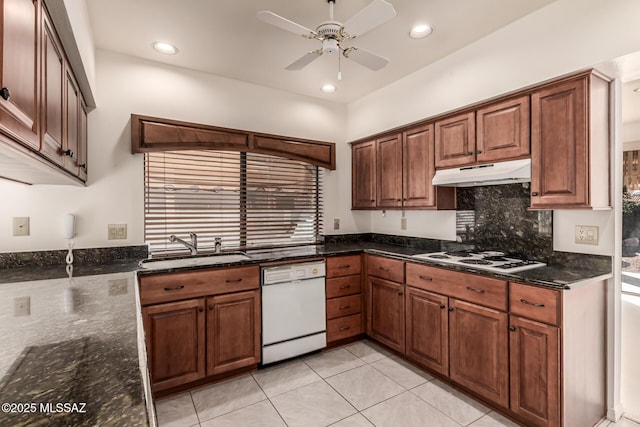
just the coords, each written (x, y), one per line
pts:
(358, 385)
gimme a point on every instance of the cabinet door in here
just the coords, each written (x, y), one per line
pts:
(363, 175)
(72, 124)
(455, 140)
(419, 167)
(19, 78)
(503, 130)
(559, 152)
(389, 172)
(385, 321)
(53, 86)
(83, 140)
(175, 338)
(233, 331)
(479, 354)
(427, 330)
(535, 371)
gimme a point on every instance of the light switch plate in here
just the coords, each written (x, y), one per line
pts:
(21, 306)
(336, 223)
(403, 223)
(117, 231)
(586, 235)
(21, 226)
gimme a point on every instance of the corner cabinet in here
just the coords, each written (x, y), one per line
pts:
(570, 150)
(395, 172)
(42, 114)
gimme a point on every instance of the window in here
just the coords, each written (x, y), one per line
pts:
(249, 200)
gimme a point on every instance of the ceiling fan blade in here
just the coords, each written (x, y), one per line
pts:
(364, 57)
(375, 13)
(284, 23)
(304, 61)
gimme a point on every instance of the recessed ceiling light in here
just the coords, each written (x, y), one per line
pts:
(420, 31)
(164, 47)
(328, 88)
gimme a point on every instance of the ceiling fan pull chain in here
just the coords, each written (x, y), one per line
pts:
(339, 63)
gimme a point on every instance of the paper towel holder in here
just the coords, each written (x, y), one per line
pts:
(69, 226)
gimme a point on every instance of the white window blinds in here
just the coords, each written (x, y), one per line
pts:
(249, 200)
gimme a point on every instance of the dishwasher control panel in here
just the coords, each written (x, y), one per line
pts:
(293, 272)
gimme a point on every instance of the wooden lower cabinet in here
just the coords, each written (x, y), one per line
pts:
(233, 331)
(175, 338)
(535, 371)
(478, 356)
(385, 321)
(427, 329)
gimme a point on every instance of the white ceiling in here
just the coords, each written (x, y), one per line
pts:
(225, 37)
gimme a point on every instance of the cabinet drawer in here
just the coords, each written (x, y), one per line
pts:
(469, 287)
(339, 266)
(386, 268)
(535, 303)
(176, 286)
(344, 327)
(343, 306)
(342, 286)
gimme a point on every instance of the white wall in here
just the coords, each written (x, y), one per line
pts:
(566, 36)
(114, 194)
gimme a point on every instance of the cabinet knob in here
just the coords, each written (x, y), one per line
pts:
(534, 193)
(450, 308)
(5, 94)
(512, 328)
(442, 306)
(372, 200)
(200, 309)
(211, 307)
(469, 153)
(83, 166)
(479, 152)
(68, 153)
(400, 293)
(398, 200)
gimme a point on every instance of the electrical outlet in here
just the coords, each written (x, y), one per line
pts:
(117, 231)
(336, 223)
(21, 306)
(21, 226)
(403, 223)
(586, 234)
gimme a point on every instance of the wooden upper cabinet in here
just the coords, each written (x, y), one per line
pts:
(389, 171)
(54, 84)
(503, 130)
(19, 50)
(455, 140)
(418, 167)
(363, 175)
(150, 134)
(83, 140)
(570, 144)
(72, 125)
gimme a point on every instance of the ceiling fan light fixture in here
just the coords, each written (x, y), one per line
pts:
(420, 31)
(328, 88)
(330, 46)
(164, 47)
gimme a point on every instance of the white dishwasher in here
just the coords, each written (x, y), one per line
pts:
(293, 310)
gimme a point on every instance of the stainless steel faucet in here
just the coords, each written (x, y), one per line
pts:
(193, 246)
(218, 246)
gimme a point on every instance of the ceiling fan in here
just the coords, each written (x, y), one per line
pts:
(333, 34)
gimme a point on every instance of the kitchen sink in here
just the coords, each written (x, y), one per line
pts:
(157, 264)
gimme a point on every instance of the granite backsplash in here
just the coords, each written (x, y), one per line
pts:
(81, 257)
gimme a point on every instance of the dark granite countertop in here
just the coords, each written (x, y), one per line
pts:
(71, 341)
(563, 273)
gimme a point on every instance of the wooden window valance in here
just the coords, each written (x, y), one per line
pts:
(152, 134)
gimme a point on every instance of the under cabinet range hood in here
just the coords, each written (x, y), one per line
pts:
(508, 172)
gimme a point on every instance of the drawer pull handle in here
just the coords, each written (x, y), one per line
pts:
(480, 291)
(345, 307)
(383, 268)
(442, 306)
(345, 287)
(345, 328)
(524, 301)
(174, 289)
(428, 279)
(234, 281)
(345, 266)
